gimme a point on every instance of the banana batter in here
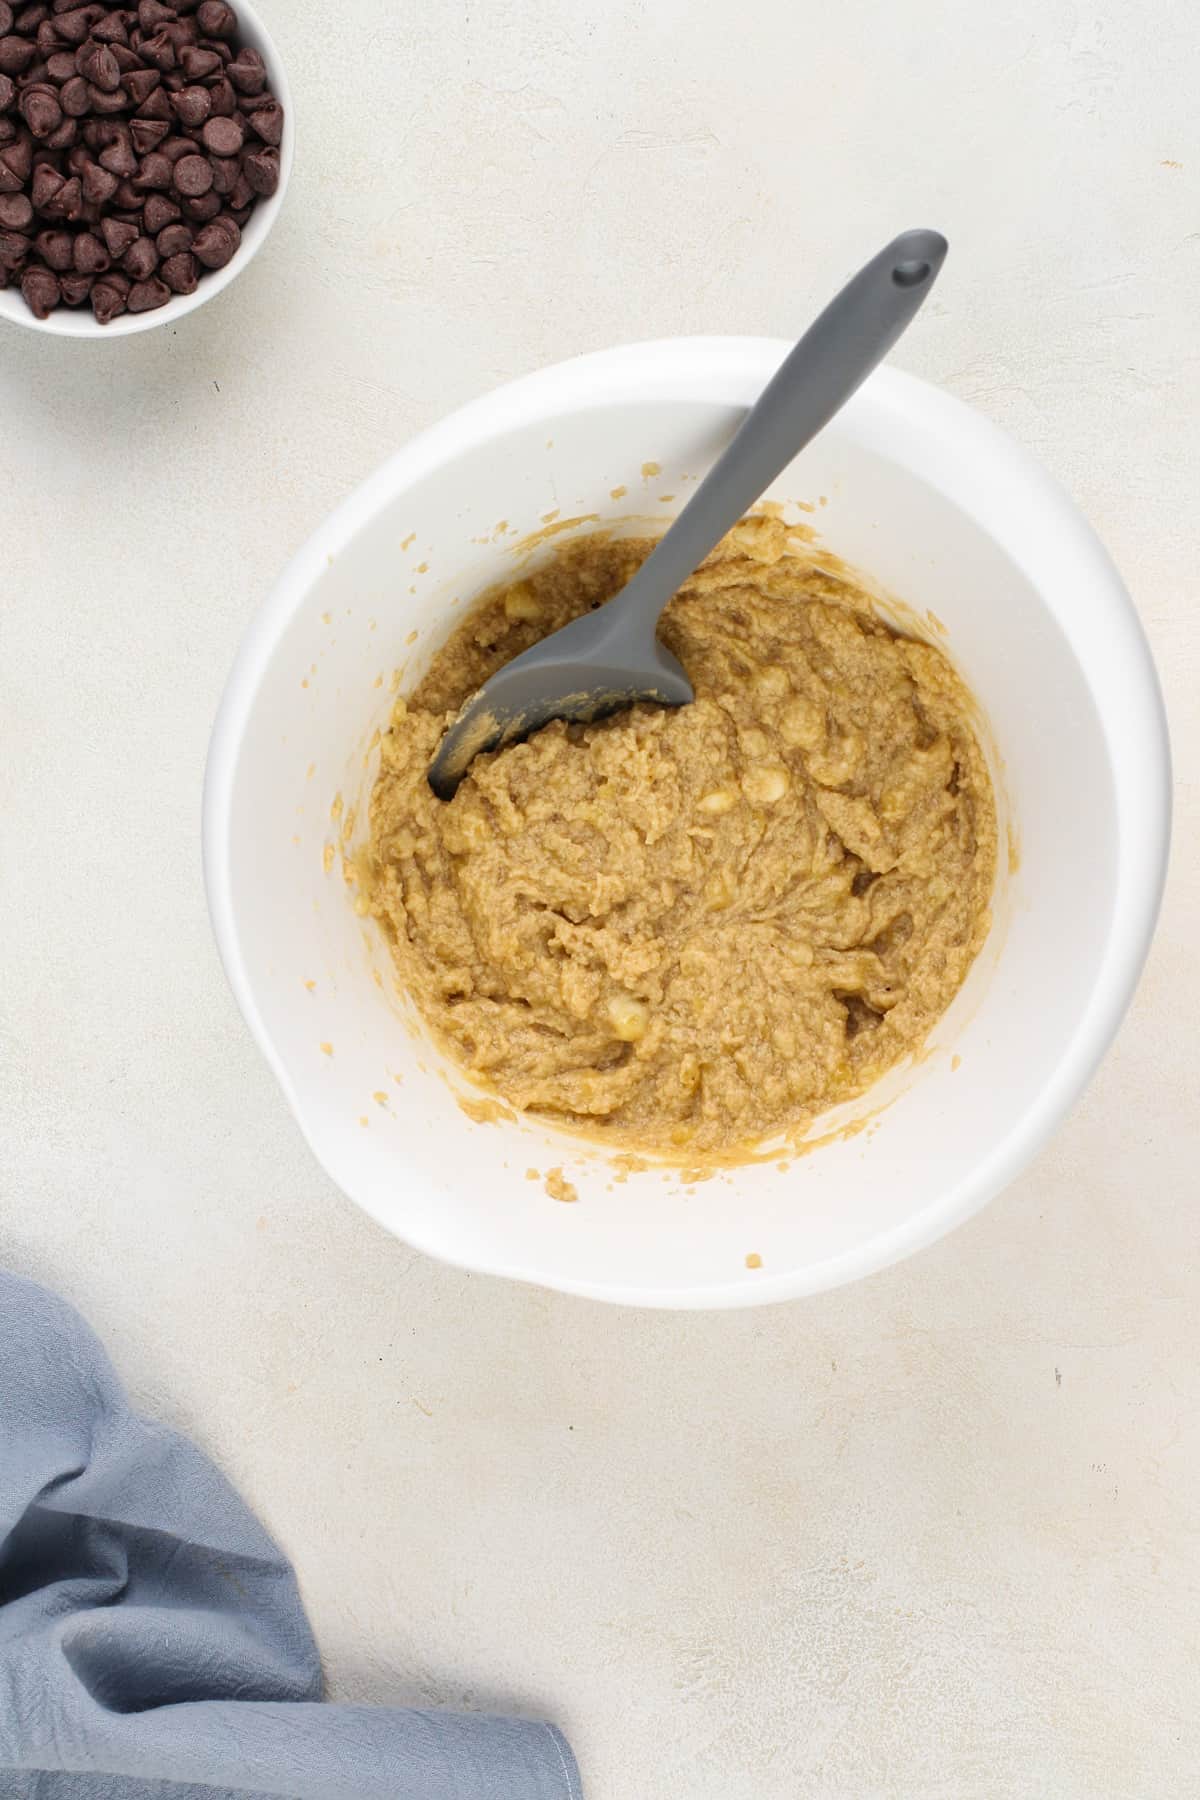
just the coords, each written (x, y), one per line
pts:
(686, 931)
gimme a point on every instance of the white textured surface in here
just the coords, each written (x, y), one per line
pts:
(934, 1536)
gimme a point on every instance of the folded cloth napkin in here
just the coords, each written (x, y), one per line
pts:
(152, 1641)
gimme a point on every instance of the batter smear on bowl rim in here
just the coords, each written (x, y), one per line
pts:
(685, 931)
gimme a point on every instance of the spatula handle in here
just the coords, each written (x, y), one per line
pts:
(832, 359)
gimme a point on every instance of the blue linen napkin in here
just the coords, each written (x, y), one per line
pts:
(152, 1641)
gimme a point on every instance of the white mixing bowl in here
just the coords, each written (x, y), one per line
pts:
(945, 514)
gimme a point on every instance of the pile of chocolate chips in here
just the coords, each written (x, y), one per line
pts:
(135, 141)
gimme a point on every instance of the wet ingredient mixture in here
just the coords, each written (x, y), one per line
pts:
(687, 931)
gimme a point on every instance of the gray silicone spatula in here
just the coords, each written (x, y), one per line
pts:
(611, 657)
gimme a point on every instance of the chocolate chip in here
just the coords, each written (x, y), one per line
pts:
(105, 104)
(199, 63)
(224, 100)
(148, 134)
(109, 296)
(262, 171)
(160, 211)
(117, 235)
(16, 212)
(75, 288)
(113, 30)
(14, 248)
(56, 249)
(224, 136)
(267, 121)
(184, 34)
(18, 157)
(146, 296)
(192, 106)
(67, 203)
(193, 176)
(156, 171)
(8, 92)
(157, 104)
(172, 240)
(73, 27)
(99, 184)
(202, 207)
(181, 273)
(151, 14)
(119, 157)
(47, 184)
(60, 67)
(75, 97)
(41, 291)
(159, 50)
(248, 72)
(6, 18)
(90, 255)
(216, 19)
(139, 84)
(227, 172)
(40, 110)
(98, 66)
(16, 54)
(217, 244)
(141, 259)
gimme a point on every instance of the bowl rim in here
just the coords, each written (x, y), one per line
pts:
(1058, 541)
(80, 322)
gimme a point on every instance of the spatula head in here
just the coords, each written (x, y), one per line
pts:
(577, 673)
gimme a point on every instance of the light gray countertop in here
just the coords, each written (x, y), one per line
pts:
(934, 1537)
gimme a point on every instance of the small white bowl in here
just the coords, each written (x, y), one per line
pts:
(81, 322)
(947, 514)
